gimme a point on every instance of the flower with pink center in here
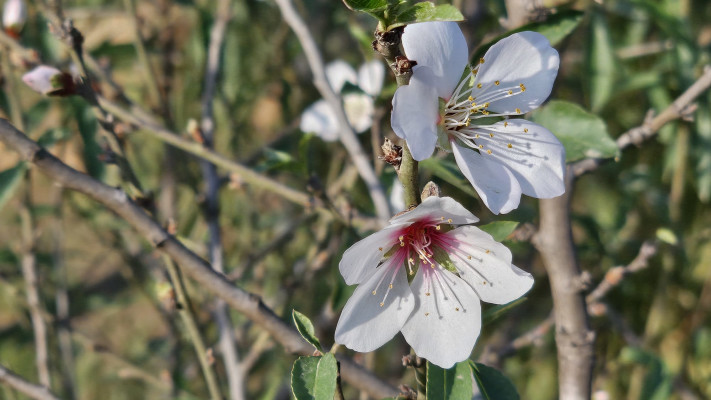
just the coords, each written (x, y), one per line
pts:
(424, 275)
(439, 108)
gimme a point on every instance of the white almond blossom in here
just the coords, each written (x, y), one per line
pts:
(424, 275)
(46, 80)
(14, 16)
(502, 160)
(319, 118)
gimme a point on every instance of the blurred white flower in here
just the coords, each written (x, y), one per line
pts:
(49, 81)
(14, 16)
(320, 119)
(502, 160)
(451, 267)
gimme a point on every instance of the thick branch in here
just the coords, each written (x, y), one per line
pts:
(574, 339)
(21, 385)
(681, 107)
(117, 201)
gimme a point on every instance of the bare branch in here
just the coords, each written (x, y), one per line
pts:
(347, 135)
(682, 107)
(21, 385)
(574, 339)
(247, 303)
(614, 276)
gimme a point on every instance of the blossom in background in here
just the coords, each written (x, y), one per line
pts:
(359, 106)
(14, 16)
(424, 275)
(49, 81)
(502, 160)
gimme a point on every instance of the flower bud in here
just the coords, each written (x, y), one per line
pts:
(49, 81)
(14, 16)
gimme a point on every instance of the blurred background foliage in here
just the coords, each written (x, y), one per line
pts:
(620, 59)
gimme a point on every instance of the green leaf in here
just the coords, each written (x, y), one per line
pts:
(495, 312)
(9, 181)
(449, 172)
(306, 329)
(367, 6)
(601, 63)
(492, 384)
(668, 236)
(454, 383)
(583, 134)
(314, 378)
(500, 230)
(556, 28)
(424, 12)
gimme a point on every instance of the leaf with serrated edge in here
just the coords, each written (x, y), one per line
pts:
(453, 383)
(306, 329)
(499, 230)
(424, 12)
(492, 384)
(583, 134)
(314, 378)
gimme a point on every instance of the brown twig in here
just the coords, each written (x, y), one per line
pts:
(682, 107)
(614, 276)
(21, 385)
(117, 201)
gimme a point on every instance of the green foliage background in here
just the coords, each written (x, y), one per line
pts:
(622, 58)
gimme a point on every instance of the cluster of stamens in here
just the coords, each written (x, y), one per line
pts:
(471, 100)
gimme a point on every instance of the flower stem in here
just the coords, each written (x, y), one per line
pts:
(409, 178)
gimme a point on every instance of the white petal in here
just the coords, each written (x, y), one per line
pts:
(364, 324)
(438, 208)
(415, 116)
(523, 58)
(359, 262)
(43, 79)
(485, 265)
(495, 184)
(444, 326)
(359, 110)
(371, 76)
(339, 72)
(320, 119)
(536, 157)
(440, 47)
(14, 15)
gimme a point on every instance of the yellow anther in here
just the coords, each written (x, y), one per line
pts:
(497, 83)
(456, 308)
(523, 88)
(525, 130)
(491, 135)
(518, 111)
(510, 91)
(402, 244)
(427, 314)
(411, 260)
(506, 124)
(488, 251)
(481, 60)
(488, 151)
(438, 227)
(427, 294)
(382, 304)
(373, 292)
(484, 112)
(468, 122)
(481, 146)
(478, 85)
(380, 248)
(510, 146)
(483, 283)
(390, 286)
(470, 98)
(469, 257)
(401, 237)
(486, 105)
(449, 220)
(476, 136)
(442, 218)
